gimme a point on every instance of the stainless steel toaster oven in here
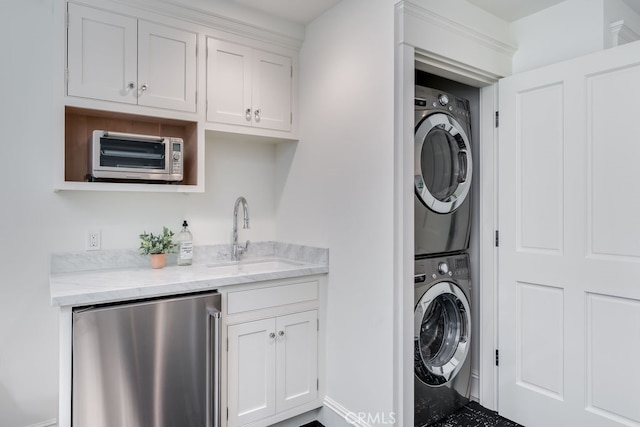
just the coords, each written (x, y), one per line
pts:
(126, 156)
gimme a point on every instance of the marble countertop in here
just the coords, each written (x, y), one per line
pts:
(78, 286)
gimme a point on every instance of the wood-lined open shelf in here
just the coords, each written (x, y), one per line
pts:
(81, 122)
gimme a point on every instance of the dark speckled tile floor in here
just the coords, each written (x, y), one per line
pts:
(472, 415)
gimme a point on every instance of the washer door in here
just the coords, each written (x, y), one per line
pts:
(442, 333)
(443, 163)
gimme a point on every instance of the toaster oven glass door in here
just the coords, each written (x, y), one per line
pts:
(125, 153)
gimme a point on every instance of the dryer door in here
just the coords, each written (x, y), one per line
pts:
(443, 163)
(442, 333)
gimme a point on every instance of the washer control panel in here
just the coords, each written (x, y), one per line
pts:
(440, 267)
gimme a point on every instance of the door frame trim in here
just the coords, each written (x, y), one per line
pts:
(415, 49)
(488, 281)
(487, 376)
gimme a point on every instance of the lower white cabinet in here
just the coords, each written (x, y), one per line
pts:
(272, 366)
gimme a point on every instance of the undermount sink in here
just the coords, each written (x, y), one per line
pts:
(251, 266)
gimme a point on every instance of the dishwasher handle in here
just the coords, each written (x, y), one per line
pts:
(213, 367)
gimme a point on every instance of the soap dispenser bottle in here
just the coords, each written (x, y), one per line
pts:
(185, 245)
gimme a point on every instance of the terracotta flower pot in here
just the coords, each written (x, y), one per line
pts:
(158, 260)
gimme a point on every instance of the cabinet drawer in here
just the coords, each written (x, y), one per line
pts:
(256, 299)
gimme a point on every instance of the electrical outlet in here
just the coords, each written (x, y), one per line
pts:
(93, 240)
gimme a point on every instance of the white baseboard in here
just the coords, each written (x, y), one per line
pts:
(348, 417)
(334, 414)
(50, 423)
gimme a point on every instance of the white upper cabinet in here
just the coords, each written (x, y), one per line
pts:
(228, 83)
(118, 58)
(166, 67)
(271, 91)
(102, 54)
(248, 87)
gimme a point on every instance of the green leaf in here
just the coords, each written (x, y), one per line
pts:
(157, 244)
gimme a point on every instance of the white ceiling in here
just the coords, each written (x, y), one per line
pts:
(298, 11)
(305, 11)
(512, 10)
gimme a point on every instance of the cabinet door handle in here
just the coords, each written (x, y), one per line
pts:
(143, 88)
(272, 335)
(131, 85)
(247, 114)
(281, 333)
(257, 114)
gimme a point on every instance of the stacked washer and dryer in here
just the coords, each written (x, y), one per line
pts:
(442, 317)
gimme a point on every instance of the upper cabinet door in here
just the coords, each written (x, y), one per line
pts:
(102, 55)
(166, 67)
(228, 83)
(272, 76)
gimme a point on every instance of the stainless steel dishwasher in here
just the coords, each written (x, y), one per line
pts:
(150, 363)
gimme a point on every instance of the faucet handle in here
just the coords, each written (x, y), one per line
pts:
(243, 249)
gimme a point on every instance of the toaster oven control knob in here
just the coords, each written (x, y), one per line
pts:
(443, 268)
(176, 156)
(443, 99)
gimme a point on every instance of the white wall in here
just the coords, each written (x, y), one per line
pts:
(339, 192)
(28, 331)
(558, 33)
(36, 221)
(567, 30)
(615, 11)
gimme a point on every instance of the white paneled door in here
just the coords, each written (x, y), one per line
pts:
(569, 254)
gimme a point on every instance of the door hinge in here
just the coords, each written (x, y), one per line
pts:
(66, 19)
(497, 357)
(66, 76)
(497, 118)
(291, 118)
(227, 344)
(291, 68)
(227, 412)
(497, 238)
(317, 383)
(317, 324)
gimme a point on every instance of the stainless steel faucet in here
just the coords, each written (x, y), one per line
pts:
(237, 250)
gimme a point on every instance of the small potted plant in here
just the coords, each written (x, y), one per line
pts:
(157, 246)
